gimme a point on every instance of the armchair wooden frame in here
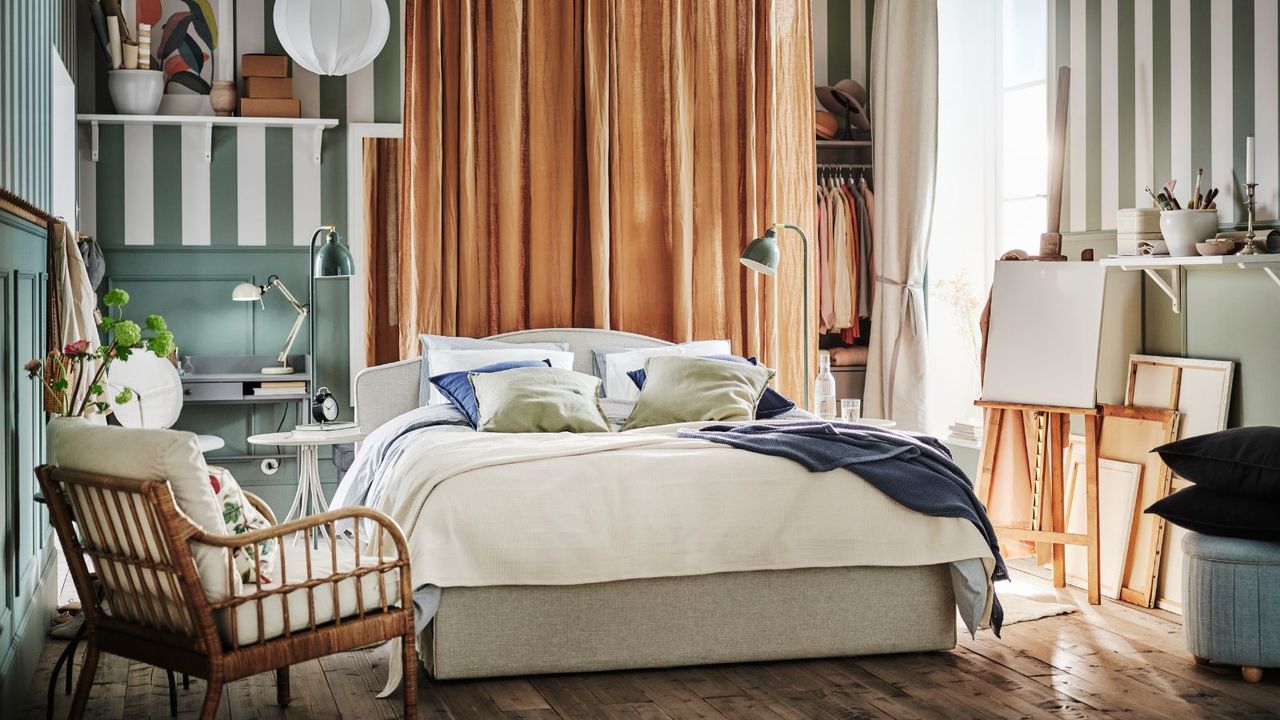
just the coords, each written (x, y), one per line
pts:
(159, 612)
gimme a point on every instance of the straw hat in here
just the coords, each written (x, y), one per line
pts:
(825, 124)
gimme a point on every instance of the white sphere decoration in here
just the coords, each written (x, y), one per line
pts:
(332, 37)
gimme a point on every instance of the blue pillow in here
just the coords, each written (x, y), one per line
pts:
(457, 385)
(772, 403)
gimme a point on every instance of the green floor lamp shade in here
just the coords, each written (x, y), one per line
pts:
(762, 255)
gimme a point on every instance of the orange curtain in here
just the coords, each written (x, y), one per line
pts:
(602, 163)
(382, 239)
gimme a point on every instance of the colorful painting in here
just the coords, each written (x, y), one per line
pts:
(188, 36)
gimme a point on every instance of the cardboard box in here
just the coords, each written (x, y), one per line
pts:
(253, 65)
(273, 107)
(268, 87)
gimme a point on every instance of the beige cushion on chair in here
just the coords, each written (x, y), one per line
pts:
(295, 572)
(157, 455)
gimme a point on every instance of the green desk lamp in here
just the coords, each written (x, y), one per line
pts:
(330, 260)
(762, 255)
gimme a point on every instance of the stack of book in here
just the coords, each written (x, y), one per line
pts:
(966, 431)
(1137, 228)
(268, 89)
(281, 387)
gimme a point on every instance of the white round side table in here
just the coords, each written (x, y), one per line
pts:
(309, 498)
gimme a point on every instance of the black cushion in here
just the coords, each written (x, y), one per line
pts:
(1243, 461)
(1218, 513)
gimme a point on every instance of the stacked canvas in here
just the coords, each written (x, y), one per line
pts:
(1136, 227)
(268, 89)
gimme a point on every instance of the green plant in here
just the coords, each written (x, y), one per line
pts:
(80, 359)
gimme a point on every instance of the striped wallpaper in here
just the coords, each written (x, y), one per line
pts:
(841, 40)
(152, 187)
(29, 30)
(1160, 88)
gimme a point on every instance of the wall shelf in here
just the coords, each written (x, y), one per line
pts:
(843, 143)
(1152, 265)
(318, 125)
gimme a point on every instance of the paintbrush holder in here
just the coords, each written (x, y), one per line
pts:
(1182, 229)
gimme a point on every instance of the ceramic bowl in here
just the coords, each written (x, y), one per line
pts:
(1216, 247)
(1182, 229)
(136, 92)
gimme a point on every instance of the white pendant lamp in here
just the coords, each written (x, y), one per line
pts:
(332, 37)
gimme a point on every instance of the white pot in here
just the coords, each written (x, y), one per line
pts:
(136, 92)
(1182, 229)
(59, 424)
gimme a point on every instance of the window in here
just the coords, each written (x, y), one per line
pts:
(990, 194)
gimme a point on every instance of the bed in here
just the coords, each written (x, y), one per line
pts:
(556, 554)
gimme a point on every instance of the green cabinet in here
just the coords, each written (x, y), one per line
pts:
(26, 552)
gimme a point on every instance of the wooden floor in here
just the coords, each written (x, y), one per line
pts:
(1108, 661)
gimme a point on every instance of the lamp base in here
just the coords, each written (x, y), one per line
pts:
(278, 370)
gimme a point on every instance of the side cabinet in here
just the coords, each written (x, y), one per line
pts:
(28, 573)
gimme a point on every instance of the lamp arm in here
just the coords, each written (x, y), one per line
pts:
(293, 335)
(276, 282)
(804, 238)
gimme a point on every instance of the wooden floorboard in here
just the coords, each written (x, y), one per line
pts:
(1110, 661)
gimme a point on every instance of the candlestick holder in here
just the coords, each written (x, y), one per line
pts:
(1251, 244)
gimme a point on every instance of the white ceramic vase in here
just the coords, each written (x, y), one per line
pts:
(1182, 229)
(136, 92)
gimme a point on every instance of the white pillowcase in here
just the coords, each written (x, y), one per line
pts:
(618, 386)
(447, 361)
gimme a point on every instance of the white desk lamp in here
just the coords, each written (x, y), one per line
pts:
(248, 292)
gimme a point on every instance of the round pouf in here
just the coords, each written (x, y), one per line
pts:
(1231, 602)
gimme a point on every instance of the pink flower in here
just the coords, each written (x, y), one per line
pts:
(79, 347)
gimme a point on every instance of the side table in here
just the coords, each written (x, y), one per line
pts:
(309, 497)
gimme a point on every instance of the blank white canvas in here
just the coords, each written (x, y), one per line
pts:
(1044, 335)
(1117, 494)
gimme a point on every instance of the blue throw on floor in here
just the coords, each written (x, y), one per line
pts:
(914, 470)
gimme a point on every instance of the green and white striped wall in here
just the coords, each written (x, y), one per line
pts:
(152, 186)
(1160, 88)
(29, 31)
(841, 40)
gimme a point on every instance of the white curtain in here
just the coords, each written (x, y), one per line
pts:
(904, 85)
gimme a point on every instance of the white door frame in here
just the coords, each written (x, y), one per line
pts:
(356, 241)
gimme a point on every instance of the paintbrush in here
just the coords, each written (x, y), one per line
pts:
(1195, 193)
(1159, 203)
(1208, 199)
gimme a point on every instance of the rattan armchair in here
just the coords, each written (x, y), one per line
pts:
(154, 610)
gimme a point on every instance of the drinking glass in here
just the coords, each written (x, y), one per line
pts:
(850, 409)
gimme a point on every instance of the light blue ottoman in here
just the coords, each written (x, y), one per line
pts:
(1231, 602)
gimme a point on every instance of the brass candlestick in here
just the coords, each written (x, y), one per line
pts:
(1251, 244)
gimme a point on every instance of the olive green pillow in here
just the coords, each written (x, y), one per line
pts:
(684, 388)
(538, 399)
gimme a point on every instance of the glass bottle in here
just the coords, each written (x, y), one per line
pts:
(824, 389)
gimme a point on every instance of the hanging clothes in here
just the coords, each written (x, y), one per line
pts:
(845, 236)
(824, 240)
(840, 258)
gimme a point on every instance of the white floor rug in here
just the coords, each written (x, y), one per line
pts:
(1024, 600)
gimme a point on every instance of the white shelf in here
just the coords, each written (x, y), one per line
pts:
(318, 125)
(1176, 266)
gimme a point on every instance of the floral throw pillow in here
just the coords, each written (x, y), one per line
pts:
(242, 517)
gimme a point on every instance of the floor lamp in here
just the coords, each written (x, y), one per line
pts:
(762, 255)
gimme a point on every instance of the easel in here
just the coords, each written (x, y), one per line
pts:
(1052, 459)
(1052, 455)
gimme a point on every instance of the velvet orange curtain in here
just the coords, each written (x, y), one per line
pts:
(602, 163)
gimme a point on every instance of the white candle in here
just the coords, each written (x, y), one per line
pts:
(226, 50)
(1249, 165)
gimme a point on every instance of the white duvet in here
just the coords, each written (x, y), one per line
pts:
(555, 509)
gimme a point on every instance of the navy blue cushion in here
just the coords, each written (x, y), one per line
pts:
(772, 403)
(457, 385)
(1213, 512)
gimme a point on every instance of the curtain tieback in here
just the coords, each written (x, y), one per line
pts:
(911, 289)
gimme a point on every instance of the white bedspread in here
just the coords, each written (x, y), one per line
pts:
(551, 509)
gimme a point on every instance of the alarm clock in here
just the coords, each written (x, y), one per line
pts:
(324, 407)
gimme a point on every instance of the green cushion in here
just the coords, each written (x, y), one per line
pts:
(683, 388)
(526, 400)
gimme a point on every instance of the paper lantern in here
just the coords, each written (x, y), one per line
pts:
(332, 37)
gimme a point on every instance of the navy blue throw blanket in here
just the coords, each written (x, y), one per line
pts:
(915, 470)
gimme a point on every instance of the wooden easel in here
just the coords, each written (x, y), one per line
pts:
(1052, 459)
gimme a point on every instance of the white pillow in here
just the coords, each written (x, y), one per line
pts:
(157, 455)
(617, 386)
(450, 342)
(447, 361)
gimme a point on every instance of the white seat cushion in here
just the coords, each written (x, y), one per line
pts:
(295, 571)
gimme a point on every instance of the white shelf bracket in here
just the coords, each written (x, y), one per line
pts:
(1271, 273)
(1171, 287)
(317, 140)
(208, 142)
(93, 140)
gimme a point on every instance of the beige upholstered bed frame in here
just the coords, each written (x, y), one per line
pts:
(664, 622)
